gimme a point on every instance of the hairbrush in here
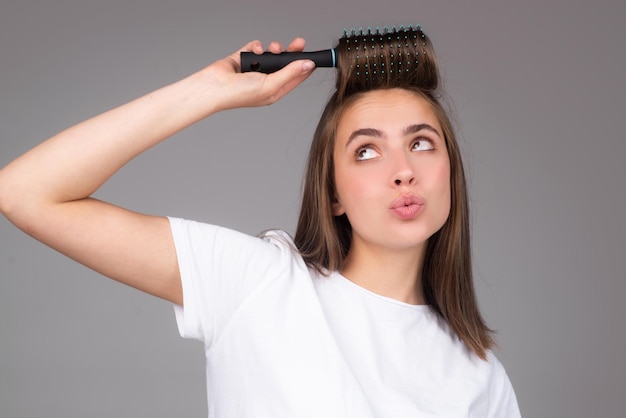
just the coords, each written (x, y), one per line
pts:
(362, 40)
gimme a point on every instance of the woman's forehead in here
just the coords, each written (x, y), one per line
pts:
(388, 108)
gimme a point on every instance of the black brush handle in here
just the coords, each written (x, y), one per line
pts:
(268, 62)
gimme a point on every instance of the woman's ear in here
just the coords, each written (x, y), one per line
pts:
(337, 208)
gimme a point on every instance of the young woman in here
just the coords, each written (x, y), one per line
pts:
(368, 312)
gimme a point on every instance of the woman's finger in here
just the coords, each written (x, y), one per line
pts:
(282, 82)
(275, 47)
(255, 46)
(296, 45)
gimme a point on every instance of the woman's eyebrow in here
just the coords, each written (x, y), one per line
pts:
(364, 132)
(376, 133)
(412, 129)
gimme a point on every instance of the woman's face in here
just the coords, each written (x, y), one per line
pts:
(392, 170)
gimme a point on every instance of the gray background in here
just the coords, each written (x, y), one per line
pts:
(538, 92)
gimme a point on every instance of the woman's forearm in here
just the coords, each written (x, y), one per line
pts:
(76, 162)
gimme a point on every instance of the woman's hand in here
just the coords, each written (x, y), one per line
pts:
(228, 88)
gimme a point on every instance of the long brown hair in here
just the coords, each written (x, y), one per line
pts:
(393, 59)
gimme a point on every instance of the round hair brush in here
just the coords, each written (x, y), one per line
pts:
(357, 44)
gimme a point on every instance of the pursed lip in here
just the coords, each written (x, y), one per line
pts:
(406, 200)
(407, 207)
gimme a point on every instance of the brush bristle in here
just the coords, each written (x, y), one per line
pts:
(377, 31)
(387, 57)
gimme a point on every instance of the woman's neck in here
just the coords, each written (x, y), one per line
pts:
(392, 273)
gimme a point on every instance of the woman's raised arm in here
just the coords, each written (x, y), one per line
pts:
(46, 192)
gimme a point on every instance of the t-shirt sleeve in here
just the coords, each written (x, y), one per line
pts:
(219, 269)
(502, 399)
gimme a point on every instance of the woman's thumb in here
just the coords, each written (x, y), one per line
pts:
(289, 77)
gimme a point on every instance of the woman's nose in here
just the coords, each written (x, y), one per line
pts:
(404, 174)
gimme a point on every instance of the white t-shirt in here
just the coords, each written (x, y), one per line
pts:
(283, 341)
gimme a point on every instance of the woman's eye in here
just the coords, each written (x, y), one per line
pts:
(365, 153)
(422, 145)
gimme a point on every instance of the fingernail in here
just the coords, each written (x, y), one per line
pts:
(308, 66)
